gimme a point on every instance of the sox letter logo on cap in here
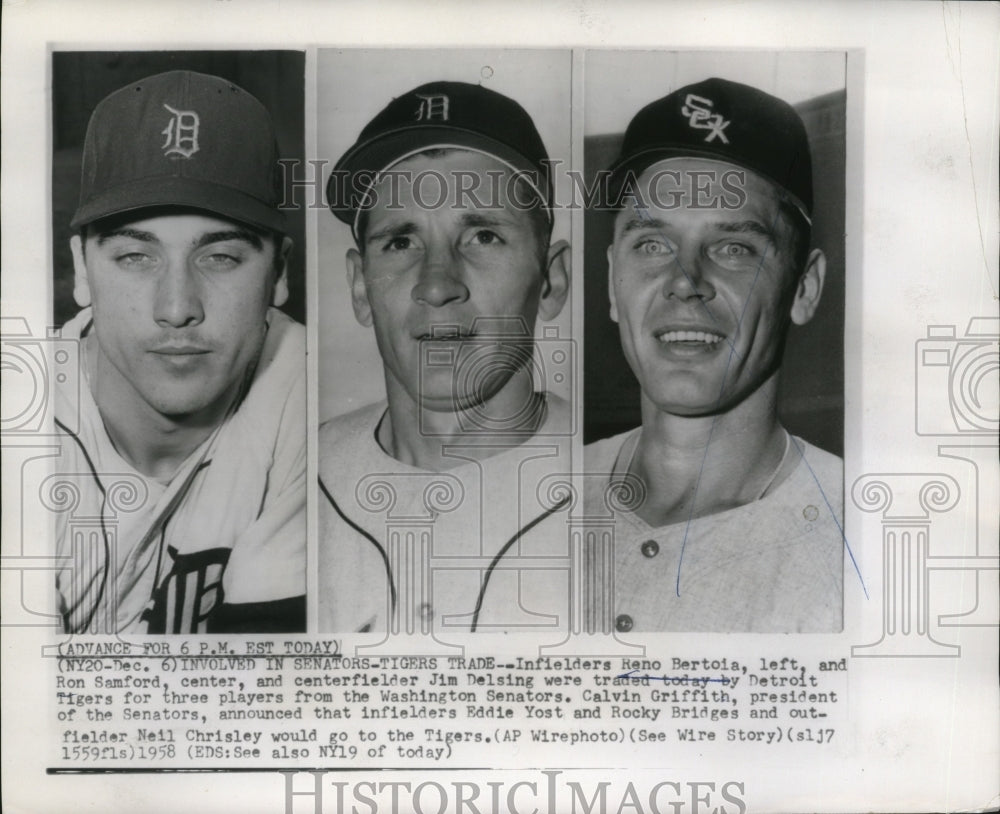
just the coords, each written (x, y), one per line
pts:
(746, 127)
(700, 116)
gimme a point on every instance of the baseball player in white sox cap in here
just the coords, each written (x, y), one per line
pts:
(187, 463)
(731, 523)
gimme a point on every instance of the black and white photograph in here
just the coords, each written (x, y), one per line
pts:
(546, 408)
(180, 493)
(714, 343)
(447, 360)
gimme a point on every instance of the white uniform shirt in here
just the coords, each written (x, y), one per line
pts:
(142, 556)
(774, 565)
(431, 547)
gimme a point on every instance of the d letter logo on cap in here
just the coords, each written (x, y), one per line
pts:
(699, 112)
(432, 107)
(181, 132)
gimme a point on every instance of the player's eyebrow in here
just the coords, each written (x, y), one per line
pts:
(230, 234)
(128, 233)
(205, 239)
(746, 226)
(636, 224)
(392, 230)
(732, 227)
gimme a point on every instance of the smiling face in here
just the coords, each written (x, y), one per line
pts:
(704, 284)
(453, 282)
(179, 304)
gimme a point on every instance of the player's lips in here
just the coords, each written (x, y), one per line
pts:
(688, 335)
(443, 334)
(181, 357)
(179, 350)
(688, 342)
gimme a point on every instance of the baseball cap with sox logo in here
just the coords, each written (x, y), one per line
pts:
(726, 121)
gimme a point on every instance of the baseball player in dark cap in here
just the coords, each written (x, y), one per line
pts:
(731, 523)
(188, 457)
(447, 192)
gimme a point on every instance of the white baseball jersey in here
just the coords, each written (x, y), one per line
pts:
(482, 546)
(775, 565)
(228, 529)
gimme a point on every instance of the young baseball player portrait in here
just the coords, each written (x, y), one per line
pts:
(183, 456)
(731, 522)
(432, 517)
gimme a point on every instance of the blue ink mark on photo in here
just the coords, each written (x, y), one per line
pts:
(679, 679)
(642, 213)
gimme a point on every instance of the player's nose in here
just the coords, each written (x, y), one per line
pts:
(440, 279)
(686, 276)
(178, 300)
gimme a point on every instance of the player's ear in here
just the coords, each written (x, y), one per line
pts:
(555, 287)
(611, 284)
(359, 291)
(81, 284)
(809, 288)
(280, 296)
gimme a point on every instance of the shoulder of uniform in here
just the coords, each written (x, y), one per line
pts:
(284, 334)
(600, 455)
(350, 427)
(820, 460)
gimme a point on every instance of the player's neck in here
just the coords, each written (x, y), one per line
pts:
(418, 436)
(702, 465)
(154, 444)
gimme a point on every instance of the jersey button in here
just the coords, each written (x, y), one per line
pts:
(426, 611)
(650, 548)
(623, 623)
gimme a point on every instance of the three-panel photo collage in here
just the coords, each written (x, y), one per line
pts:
(410, 345)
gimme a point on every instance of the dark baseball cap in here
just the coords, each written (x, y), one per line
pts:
(726, 121)
(439, 115)
(181, 139)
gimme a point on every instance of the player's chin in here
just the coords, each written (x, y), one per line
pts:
(686, 399)
(454, 400)
(193, 400)
(440, 396)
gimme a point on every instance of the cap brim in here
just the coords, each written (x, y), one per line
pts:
(638, 163)
(380, 153)
(179, 191)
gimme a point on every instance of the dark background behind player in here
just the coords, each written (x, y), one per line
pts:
(80, 79)
(811, 394)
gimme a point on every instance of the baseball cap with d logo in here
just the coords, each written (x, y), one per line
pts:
(181, 139)
(440, 115)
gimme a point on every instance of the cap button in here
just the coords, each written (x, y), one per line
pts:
(623, 623)
(650, 548)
